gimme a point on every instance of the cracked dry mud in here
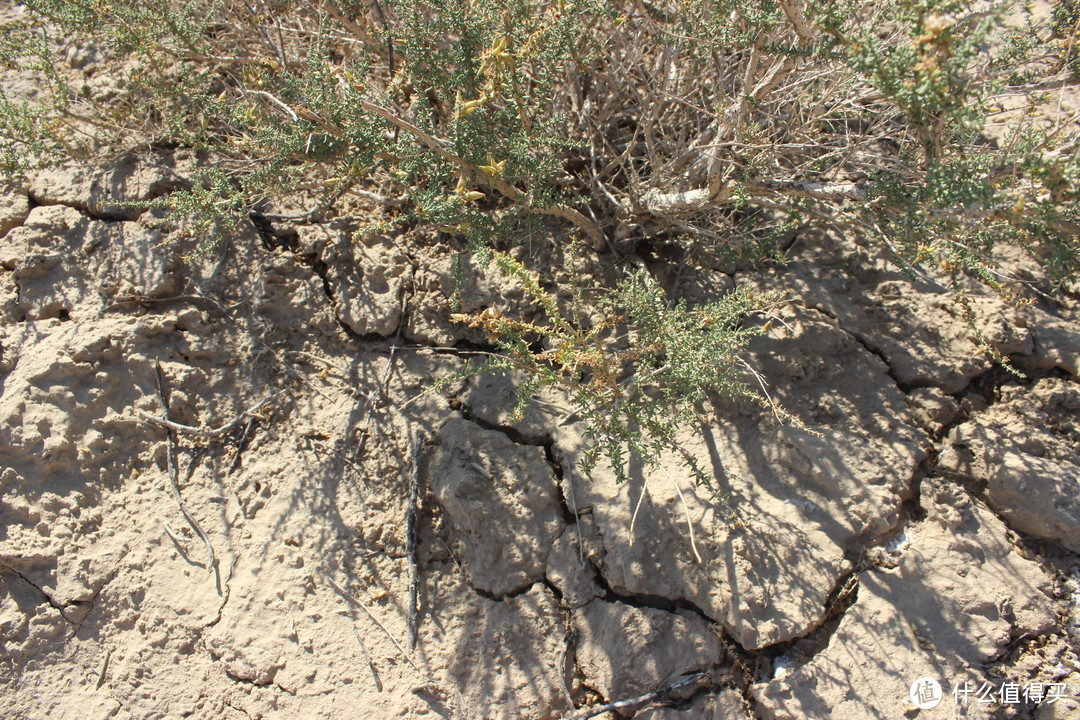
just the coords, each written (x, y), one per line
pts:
(925, 527)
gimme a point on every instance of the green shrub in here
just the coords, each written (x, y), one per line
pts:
(720, 124)
(634, 392)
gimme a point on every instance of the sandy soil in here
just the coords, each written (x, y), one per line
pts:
(927, 527)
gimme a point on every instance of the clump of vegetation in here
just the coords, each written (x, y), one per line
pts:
(635, 393)
(721, 125)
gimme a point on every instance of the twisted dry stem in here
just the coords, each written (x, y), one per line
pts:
(586, 713)
(174, 482)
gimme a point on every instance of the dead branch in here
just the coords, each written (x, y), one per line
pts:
(798, 20)
(835, 191)
(341, 591)
(368, 659)
(438, 146)
(586, 713)
(411, 534)
(201, 432)
(683, 202)
(686, 511)
(174, 482)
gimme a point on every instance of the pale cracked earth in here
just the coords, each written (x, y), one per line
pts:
(925, 524)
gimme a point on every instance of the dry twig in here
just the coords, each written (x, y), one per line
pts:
(201, 432)
(586, 713)
(369, 660)
(174, 482)
(341, 591)
(411, 531)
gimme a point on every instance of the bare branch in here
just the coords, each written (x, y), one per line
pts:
(798, 20)
(586, 713)
(834, 191)
(590, 228)
(174, 480)
(201, 432)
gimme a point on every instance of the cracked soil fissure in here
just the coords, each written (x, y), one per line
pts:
(241, 646)
(48, 598)
(842, 597)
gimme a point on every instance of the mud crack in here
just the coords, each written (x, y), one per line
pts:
(16, 219)
(45, 595)
(86, 209)
(225, 592)
(92, 602)
(515, 435)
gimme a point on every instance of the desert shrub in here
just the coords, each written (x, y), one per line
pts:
(635, 393)
(1066, 28)
(721, 125)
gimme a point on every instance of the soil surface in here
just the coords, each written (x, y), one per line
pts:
(376, 549)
